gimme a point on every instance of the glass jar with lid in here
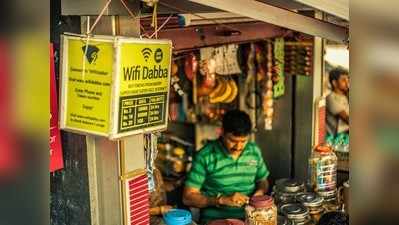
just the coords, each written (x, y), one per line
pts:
(323, 169)
(261, 211)
(297, 213)
(314, 203)
(286, 190)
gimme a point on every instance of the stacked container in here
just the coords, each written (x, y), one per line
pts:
(261, 211)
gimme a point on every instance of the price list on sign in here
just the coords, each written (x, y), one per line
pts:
(139, 112)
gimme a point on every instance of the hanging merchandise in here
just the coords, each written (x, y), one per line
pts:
(298, 58)
(190, 66)
(268, 94)
(279, 86)
(225, 91)
(225, 58)
(114, 86)
(175, 79)
(151, 152)
(207, 69)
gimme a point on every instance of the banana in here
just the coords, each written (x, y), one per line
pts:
(234, 92)
(226, 93)
(217, 91)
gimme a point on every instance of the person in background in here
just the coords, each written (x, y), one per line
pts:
(334, 218)
(226, 172)
(338, 102)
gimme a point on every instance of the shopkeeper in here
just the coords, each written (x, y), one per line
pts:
(226, 172)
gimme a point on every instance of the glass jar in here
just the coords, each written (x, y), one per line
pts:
(178, 217)
(323, 169)
(261, 211)
(286, 190)
(297, 213)
(314, 203)
(330, 197)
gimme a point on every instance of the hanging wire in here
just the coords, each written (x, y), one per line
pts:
(99, 17)
(132, 14)
(160, 27)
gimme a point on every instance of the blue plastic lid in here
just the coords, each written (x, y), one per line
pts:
(178, 217)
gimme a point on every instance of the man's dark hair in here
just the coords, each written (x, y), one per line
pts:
(336, 73)
(237, 122)
(334, 218)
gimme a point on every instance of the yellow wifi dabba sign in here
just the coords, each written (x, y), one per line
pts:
(89, 77)
(144, 83)
(114, 86)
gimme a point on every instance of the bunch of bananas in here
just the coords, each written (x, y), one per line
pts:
(226, 91)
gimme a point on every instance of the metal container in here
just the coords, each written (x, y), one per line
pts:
(289, 185)
(286, 190)
(297, 213)
(314, 203)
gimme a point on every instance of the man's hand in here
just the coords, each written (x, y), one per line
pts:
(235, 200)
(165, 209)
(259, 193)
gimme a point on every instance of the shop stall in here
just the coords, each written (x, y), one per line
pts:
(202, 59)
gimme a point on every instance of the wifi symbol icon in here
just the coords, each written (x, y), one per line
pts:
(146, 53)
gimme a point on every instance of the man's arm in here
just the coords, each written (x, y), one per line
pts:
(261, 187)
(344, 116)
(336, 107)
(194, 198)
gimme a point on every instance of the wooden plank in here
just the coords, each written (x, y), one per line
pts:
(195, 37)
(280, 17)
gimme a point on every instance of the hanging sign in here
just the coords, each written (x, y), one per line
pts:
(115, 86)
(56, 159)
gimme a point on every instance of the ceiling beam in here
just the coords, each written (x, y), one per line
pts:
(280, 17)
(339, 8)
(188, 38)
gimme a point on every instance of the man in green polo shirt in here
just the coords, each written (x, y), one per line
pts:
(226, 172)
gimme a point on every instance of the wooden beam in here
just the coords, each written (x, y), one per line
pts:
(280, 17)
(339, 8)
(195, 37)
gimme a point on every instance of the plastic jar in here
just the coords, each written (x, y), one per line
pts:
(323, 169)
(314, 203)
(297, 213)
(261, 211)
(178, 217)
(226, 222)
